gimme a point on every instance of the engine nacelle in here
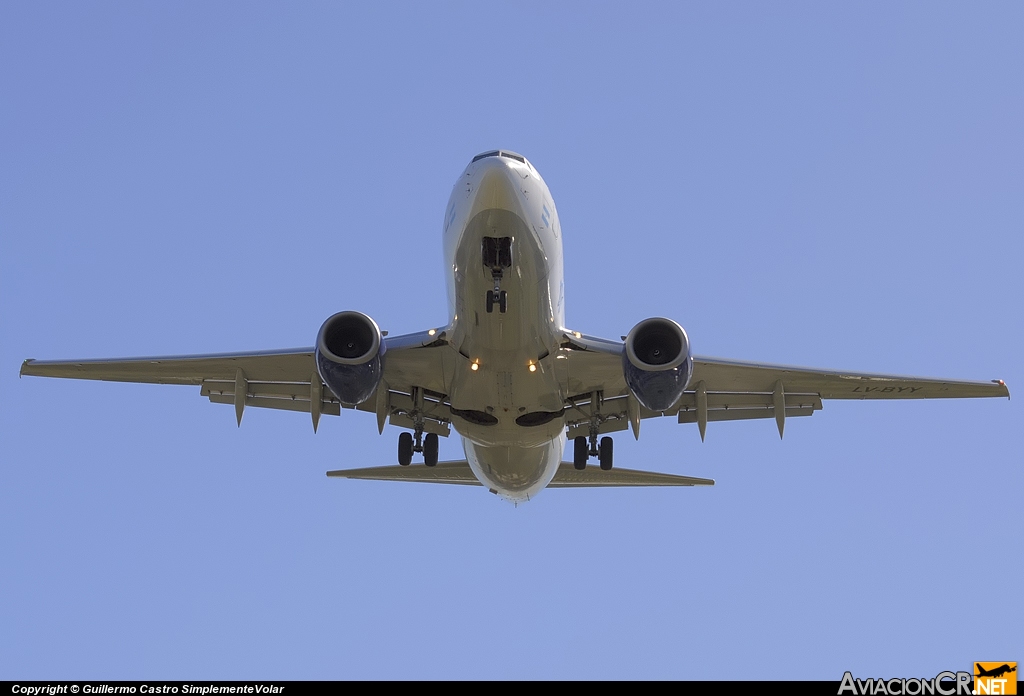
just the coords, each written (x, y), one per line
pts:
(350, 356)
(656, 362)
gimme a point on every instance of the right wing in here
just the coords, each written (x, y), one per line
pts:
(284, 379)
(733, 390)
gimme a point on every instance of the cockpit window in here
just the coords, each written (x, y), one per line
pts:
(500, 153)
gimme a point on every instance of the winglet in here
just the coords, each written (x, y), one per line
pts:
(1000, 382)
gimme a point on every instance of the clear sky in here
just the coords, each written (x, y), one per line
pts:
(827, 184)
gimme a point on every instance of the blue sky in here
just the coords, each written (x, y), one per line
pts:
(817, 184)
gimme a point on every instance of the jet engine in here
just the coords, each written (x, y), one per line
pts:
(656, 362)
(350, 356)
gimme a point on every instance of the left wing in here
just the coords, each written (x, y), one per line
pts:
(733, 390)
(283, 379)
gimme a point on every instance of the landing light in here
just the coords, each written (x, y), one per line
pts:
(432, 332)
(578, 334)
(474, 367)
(533, 368)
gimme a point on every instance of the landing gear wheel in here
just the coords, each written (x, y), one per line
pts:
(502, 301)
(490, 301)
(579, 453)
(605, 454)
(405, 449)
(430, 450)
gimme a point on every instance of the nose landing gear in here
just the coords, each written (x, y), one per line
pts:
(497, 255)
(497, 297)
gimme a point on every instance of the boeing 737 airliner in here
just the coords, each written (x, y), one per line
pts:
(505, 371)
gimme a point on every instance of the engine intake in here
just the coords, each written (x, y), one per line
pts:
(350, 356)
(656, 363)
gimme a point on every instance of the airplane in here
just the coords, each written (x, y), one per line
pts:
(995, 672)
(505, 372)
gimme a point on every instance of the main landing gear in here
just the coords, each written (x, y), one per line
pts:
(583, 448)
(427, 445)
(581, 451)
(414, 441)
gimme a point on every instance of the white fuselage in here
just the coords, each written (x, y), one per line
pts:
(506, 365)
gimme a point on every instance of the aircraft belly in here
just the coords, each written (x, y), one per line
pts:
(506, 398)
(506, 366)
(515, 472)
(506, 432)
(528, 325)
(505, 402)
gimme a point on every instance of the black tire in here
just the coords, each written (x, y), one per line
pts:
(490, 301)
(503, 301)
(405, 449)
(430, 450)
(605, 453)
(580, 453)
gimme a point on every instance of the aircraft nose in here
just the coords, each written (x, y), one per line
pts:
(498, 186)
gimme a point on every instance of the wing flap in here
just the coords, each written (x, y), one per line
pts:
(297, 396)
(742, 414)
(722, 406)
(328, 408)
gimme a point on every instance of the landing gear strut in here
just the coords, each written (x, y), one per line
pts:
(585, 447)
(497, 255)
(414, 441)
